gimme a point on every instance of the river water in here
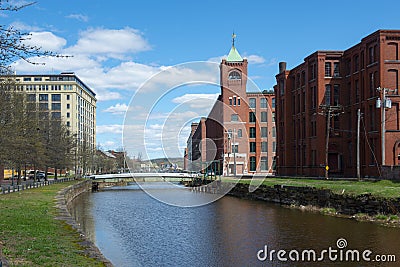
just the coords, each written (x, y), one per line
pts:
(133, 229)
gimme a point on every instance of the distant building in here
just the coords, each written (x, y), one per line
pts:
(335, 85)
(238, 136)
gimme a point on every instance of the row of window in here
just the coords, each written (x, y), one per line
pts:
(253, 149)
(252, 132)
(252, 117)
(45, 97)
(263, 164)
(44, 87)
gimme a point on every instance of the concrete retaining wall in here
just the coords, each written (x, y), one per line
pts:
(310, 196)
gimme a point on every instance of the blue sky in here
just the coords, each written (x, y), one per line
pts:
(118, 45)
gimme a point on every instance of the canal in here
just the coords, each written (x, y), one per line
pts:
(133, 229)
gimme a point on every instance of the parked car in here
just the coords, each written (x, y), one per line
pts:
(40, 176)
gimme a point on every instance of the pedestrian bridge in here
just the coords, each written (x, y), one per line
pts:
(145, 177)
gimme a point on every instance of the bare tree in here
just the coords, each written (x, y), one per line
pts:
(13, 45)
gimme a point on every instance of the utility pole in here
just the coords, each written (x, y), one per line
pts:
(329, 111)
(358, 144)
(328, 125)
(234, 153)
(383, 103)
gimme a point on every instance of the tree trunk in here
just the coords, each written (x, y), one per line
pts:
(55, 173)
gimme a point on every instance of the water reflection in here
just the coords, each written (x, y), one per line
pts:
(133, 229)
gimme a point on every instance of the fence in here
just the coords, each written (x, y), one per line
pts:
(16, 188)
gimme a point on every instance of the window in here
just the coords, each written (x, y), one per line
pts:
(336, 90)
(252, 117)
(264, 132)
(43, 106)
(313, 97)
(235, 148)
(238, 101)
(252, 103)
(56, 115)
(328, 70)
(68, 106)
(56, 97)
(56, 106)
(273, 116)
(273, 132)
(68, 97)
(328, 94)
(252, 132)
(264, 164)
(68, 115)
(313, 70)
(336, 70)
(356, 63)
(43, 97)
(43, 115)
(230, 101)
(356, 84)
(252, 164)
(27, 79)
(234, 117)
(263, 103)
(234, 75)
(274, 146)
(31, 97)
(264, 146)
(273, 102)
(371, 54)
(264, 117)
(252, 147)
(239, 133)
(68, 124)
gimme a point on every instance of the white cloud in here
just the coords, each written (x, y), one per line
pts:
(25, 27)
(197, 100)
(47, 41)
(118, 109)
(111, 42)
(112, 128)
(79, 17)
(255, 59)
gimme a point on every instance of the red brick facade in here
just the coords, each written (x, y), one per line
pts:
(339, 83)
(238, 136)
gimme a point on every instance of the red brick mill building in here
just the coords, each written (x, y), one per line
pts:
(238, 136)
(325, 92)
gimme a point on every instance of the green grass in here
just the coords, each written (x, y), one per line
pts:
(384, 188)
(29, 234)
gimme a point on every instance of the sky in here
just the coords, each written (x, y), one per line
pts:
(139, 57)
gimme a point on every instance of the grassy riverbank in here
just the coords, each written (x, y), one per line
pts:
(31, 236)
(384, 188)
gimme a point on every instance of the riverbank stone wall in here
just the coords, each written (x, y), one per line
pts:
(322, 198)
(64, 199)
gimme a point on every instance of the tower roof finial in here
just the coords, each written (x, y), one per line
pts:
(233, 38)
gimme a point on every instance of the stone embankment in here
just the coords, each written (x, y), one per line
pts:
(320, 198)
(64, 199)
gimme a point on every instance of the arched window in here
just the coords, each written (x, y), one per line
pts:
(234, 75)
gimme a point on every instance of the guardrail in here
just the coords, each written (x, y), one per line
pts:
(7, 189)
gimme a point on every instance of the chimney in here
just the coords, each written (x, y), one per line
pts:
(282, 67)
